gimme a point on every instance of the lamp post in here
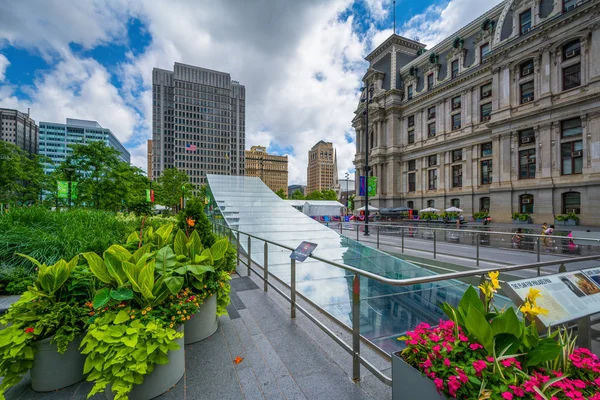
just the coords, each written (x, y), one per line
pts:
(347, 175)
(367, 98)
(69, 171)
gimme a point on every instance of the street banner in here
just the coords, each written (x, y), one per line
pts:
(372, 186)
(567, 296)
(63, 189)
(148, 196)
(73, 190)
(362, 189)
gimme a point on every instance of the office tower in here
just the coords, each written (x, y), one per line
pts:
(198, 122)
(322, 168)
(55, 139)
(271, 169)
(19, 129)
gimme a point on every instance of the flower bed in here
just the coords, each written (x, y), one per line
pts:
(484, 353)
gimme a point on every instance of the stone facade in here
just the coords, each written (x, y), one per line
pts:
(322, 168)
(502, 116)
(19, 129)
(271, 169)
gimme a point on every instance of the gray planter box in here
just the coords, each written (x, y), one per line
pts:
(519, 222)
(569, 222)
(52, 370)
(204, 323)
(162, 378)
(409, 383)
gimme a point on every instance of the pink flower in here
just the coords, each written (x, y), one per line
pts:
(490, 359)
(597, 381)
(434, 338)
(507, 395)
(517, 390)
(447, 362)
(479, 366)
(447, 346)
(475, 346)
(463, 338)
(427, 364)
(439, 384)
(437, 348)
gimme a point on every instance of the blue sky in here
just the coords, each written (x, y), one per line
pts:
(301, 62)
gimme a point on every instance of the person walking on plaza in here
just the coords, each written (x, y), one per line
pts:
(547, 241)
(516, 239)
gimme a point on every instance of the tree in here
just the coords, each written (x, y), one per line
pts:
(329, 194)
(297, 195)
(22, 176)
(281, 193)
(316, 195)
(169, 188)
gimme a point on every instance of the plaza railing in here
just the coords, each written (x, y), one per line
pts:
(234, 235)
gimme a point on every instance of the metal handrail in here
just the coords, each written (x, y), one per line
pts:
(354, 350)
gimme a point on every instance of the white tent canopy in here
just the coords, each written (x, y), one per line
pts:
(318, 208)
(453, 209)
(429, 209)
(371, 208)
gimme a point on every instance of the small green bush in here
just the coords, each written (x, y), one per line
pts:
(194, 209)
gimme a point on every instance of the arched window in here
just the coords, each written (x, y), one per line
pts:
(430, 203)
(484, 204)
(571, 202)
(526, 203)
(411, 205)
(455, 203)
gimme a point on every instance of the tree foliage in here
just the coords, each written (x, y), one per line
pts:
(322, 195)
(297, 195)
(169, 188)
(281, 193)
(22, 176)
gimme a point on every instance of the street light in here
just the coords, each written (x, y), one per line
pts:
(367, 98)
(347, 175)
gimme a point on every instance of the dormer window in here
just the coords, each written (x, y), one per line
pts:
(483, 50)
(456, 102)
(569, 5)
(430, 81)
(410, 92)
(454, 67)
(525, 21)
(571, 49)
(526, 68)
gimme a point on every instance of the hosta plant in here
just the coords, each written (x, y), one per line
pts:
(54, 306)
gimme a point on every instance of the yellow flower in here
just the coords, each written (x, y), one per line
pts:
(526, 308)
(188, 317)
(143, 312)
(133, 316)
(486, 289)
(539, 310)
(178, 312)
(171, 325)
(494, 278)
(532, 310)
(184, 311)
(149, 308)
(533, 294)
(173, 318)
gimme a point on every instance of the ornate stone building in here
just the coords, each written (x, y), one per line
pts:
(322, 168)
(271, 169)
(504, 115)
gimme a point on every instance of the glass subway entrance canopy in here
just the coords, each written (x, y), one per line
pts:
(247, 204)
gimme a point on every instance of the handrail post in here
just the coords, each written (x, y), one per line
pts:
(538, 256)
(341, 227)
(377, 226)
(266, 266)
(402, 240)
(477, 247)
(238, 247)
(293, 287)
(357, 233)
(434, 245)
(356, 328)
(249, 254)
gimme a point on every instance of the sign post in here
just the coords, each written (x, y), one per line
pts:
(304, 250)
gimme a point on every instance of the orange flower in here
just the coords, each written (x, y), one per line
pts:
(238, 360)
(190, 221)
(92, 313)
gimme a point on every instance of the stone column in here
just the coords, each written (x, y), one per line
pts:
(595, 53)
(544, 80)
(505, 150)
(467, 108)
(543, 137)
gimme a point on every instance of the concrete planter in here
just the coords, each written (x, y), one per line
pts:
(409, 383)
(520, 222)
(162, 378)
(52, 370)
(204, 323)
(568, 222)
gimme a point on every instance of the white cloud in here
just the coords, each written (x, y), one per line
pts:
(379, 9)
(4, 63)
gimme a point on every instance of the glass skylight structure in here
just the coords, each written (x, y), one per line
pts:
(247, 204)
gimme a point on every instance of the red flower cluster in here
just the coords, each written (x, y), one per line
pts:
(29, 330)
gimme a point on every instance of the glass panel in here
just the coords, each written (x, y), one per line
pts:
(571, 127)
(525, 21)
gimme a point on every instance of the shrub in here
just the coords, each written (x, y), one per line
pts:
(194, 211)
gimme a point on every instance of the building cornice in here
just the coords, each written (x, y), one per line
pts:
(394, 40)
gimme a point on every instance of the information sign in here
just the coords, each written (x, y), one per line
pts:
(567, 296)
(303, 251)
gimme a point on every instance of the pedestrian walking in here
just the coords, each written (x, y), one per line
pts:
(516, 239)
(548, 241)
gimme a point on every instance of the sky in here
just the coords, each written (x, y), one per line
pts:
(301, 61)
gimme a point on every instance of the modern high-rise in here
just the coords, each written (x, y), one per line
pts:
(271, 169)
(198, 122)
(19, 129)
(322, 168)
(501, 116)
(149, 159)
(55, 140)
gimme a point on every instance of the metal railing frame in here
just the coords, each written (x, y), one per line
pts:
(354, 350)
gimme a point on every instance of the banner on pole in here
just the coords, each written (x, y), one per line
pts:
(372, 186)
(148, 196)
(73, 190)
(63, 189)
(362, 189)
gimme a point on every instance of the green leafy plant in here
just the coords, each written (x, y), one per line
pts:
(481, 214)
(566, 217)
(520, 217)
(428, 216)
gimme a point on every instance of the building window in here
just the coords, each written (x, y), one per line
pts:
(457, 155)
(412, 165)
(572, 157)
(571, 76)
(431, 112)
(525, 21)
(412, 182)
(527, 92)
(457, 176)
(411, 121)
(569, 5)
(571, 202)
(486, 112)
(410, 92)
(527, 164)
(526, 68)
(571, 127)
(410, 204)
(486, 91)
(527, 136)
(455, 203)
(456, 121)
(456, 102)
(454, 67)
(432, 179)
(429, 81)
(483, 50)
(432, 160)
(571, 49)
(411, 136)
(431, 129)
(486, 172)
(484, 204)
(526, 203)
(431, 203)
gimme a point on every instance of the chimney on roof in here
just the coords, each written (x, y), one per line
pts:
(28, 111)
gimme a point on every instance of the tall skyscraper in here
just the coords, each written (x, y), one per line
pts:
(55, 139)
(198, 122)
(271, 169)
(322, 168)
(19, 129)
